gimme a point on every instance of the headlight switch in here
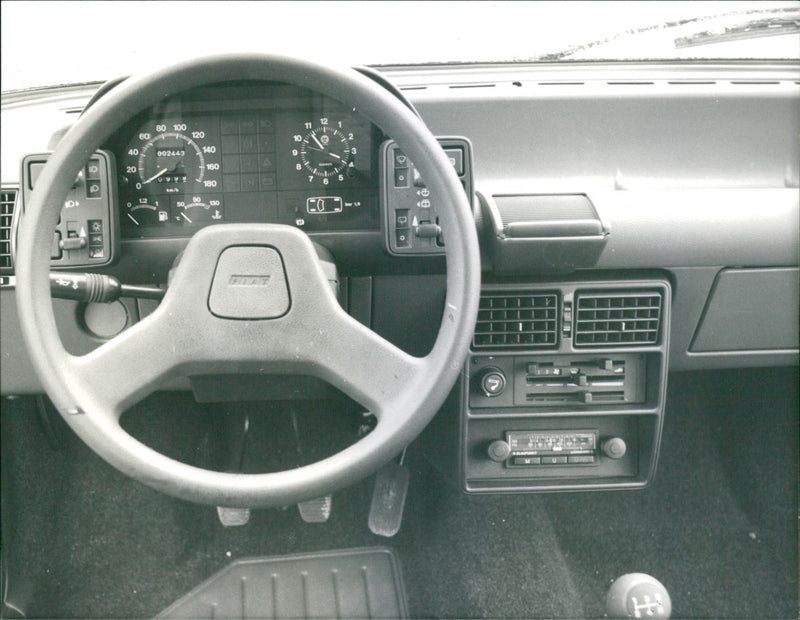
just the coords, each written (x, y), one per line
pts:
(87, 231)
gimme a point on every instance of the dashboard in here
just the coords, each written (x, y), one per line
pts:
(694, 206)
(246, 153)
(604, 265)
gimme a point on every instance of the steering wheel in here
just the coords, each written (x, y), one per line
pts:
(206, 325)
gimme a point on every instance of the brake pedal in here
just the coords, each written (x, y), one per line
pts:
(388, 499)
(316, 510)
(233, 517)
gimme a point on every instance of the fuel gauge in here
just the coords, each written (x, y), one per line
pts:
(145, 212)
(197, 210)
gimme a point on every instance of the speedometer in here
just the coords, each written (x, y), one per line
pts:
(171, 158)
(166, 162)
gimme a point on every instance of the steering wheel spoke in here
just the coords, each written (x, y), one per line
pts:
(130, 366)
(365, 366)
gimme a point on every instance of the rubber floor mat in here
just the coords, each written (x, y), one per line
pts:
(354, 583)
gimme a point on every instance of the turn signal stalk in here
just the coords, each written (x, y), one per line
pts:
(97, 288)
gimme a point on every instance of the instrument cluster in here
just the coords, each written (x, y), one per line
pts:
(247, 153)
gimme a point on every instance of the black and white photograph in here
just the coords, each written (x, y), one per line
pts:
(399, 309)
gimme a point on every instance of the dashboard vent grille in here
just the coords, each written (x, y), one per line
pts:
(516, 320)
(7, 198)
(611, 318)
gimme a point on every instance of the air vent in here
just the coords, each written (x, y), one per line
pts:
(7, 198)
(516, 320)
(624, 318)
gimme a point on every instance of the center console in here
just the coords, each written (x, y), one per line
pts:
(565, 387)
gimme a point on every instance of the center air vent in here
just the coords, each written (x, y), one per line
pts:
(7, 198)
(623, 318)
(516, 320)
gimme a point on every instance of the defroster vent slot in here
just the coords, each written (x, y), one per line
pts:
(517, 320)
(629, 318)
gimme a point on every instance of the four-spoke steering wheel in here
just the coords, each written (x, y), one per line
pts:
(288, 322)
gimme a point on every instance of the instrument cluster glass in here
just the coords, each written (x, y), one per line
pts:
(247, 153)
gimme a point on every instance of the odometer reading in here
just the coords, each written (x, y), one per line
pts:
(171, 158)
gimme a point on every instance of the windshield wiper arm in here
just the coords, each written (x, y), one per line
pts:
(767, 27)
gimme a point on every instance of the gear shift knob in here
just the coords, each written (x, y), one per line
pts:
(637, 595)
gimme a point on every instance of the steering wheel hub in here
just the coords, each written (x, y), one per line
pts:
(249, 283)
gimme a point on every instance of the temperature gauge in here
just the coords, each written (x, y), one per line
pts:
(197, 210)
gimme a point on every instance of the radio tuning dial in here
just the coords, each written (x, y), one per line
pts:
(492, 381)
(499, 451)
(614, 448)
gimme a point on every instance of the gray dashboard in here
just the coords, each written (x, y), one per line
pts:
(693, 170)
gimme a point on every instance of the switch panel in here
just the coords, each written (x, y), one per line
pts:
(87, 231)
(563, 381)
(410, 210)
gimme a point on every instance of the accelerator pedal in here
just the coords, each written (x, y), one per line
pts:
(388, 499)
(355, 583)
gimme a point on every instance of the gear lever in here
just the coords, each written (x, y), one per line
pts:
(637, 595)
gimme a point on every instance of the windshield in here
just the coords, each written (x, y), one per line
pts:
(52, 43)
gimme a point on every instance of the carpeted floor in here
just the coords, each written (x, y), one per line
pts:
(718, 527)
(719, 524)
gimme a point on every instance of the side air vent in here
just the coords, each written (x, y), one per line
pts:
(611, 318)
(516, 320)
(7, 198)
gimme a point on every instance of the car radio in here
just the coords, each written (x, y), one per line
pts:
(551, 447)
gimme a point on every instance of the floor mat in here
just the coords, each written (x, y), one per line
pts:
(356, 583)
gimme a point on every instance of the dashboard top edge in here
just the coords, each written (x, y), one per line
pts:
(782, 70)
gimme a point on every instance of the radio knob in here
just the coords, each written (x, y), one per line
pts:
(499, 451)
(614, 448)
(492, 382)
